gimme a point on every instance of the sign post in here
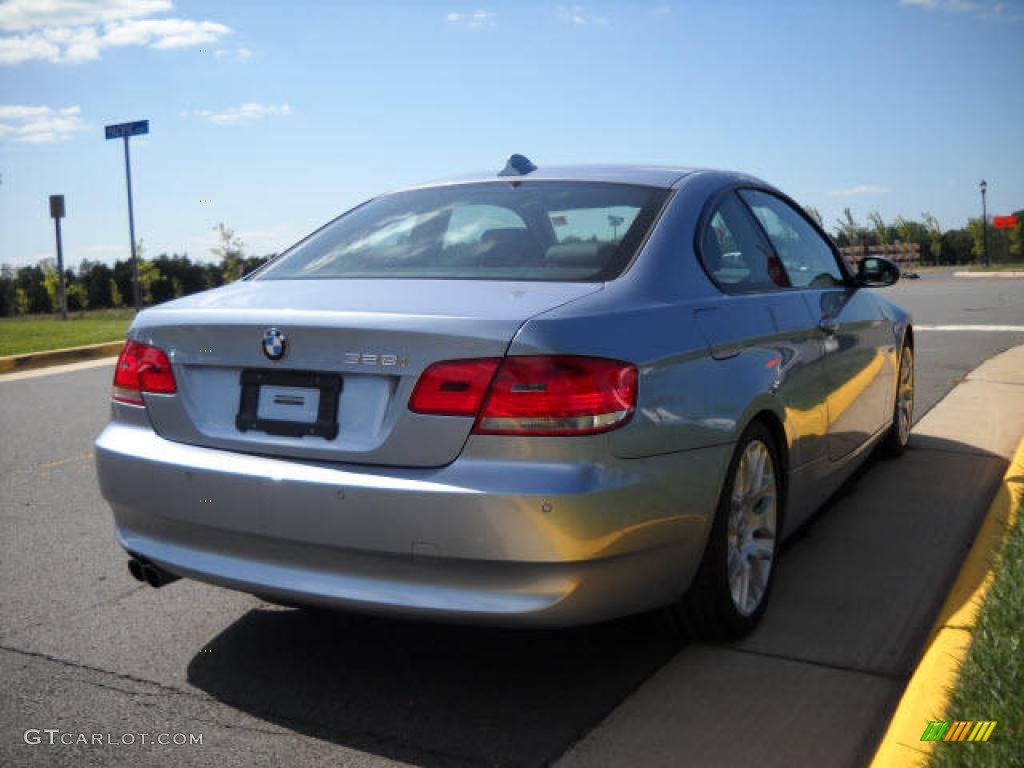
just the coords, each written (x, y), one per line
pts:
(57, 213)
(126, 131)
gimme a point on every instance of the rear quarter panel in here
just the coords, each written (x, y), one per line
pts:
(708, 363)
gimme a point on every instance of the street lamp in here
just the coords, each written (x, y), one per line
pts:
(984, 221)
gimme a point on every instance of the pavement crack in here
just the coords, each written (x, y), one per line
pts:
(821, 664)
(149, 698)
(16, 631)
(101, 671)
(968, 451)
(293, 726)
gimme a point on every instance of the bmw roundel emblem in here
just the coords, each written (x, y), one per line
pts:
(274, 343)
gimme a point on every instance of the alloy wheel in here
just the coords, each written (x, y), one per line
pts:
(751, 537)
(905, 396)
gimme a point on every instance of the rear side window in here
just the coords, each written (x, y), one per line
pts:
(808, 258)
(558, 231)
(735, 253)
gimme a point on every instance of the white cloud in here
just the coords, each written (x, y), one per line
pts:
(78, 30)
(238, 54)
(577, 15)
(164, 33)
(858, 190)
(478, 18)
(946, 5)
(987, 10)
(14, 50)
(19, 15)
(40, 125)
(245, 113)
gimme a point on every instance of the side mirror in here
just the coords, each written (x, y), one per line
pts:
(876, 272)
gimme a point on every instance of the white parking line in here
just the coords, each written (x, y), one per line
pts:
(978, 328)
(19, 375)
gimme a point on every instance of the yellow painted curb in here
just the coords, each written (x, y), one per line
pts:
(928, 690)
(58, 356)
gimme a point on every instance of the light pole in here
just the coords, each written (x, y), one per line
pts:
(984, 221)
(615, 222)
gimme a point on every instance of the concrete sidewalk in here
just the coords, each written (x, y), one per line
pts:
(857, 593)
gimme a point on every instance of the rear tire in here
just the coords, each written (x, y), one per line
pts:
(903, 406)
(730, 591)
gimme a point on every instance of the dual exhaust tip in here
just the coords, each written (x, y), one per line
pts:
(143, 570)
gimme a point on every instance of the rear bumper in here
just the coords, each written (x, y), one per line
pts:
(492, 539)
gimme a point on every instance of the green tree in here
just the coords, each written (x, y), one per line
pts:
(1016, 237)
(904, 229)
(931, 224)
(881, 230)
(21, 301)
(78, 297)
(50, 281)
(815, 214)
(230, 249)
(977, 233)
(149, 275)
(32, 281)
(7, 291)
(956, 246)
(848, 231)
(115, 294)
(95, 278)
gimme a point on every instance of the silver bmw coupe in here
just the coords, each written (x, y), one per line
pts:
(547, 396)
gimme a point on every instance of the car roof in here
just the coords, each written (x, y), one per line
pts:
(664, 176)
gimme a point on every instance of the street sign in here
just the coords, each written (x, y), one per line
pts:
(57, 213)
(121, 130)
(125, 131)
(1004, 222)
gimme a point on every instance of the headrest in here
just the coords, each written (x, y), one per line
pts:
(579, 254)
(509, 246)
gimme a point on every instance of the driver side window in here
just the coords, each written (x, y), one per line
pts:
(808, 258)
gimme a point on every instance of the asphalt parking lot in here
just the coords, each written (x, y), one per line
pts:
(84, 648)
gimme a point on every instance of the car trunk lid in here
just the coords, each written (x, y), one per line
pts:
(374, 337)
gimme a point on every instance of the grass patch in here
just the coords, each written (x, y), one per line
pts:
(36, 333)
(991, 683)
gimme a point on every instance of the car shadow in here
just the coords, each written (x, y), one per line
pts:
(430, 694)
(448, 695)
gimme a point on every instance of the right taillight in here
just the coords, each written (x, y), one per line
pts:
(531, 395)
(142, 368)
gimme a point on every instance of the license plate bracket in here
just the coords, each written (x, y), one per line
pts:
(327, 384)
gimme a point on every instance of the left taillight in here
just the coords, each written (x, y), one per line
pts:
(142, 368)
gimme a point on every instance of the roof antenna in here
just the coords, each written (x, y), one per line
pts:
(518, 165)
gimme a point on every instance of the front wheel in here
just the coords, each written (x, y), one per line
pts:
(730, 590)
(903, 405)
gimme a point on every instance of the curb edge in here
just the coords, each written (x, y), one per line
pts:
(30, 360)
(927, 692)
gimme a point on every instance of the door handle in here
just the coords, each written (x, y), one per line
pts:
(829, 325)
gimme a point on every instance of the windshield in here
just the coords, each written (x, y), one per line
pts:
(557, 231)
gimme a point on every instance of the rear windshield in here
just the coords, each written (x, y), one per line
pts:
(544, 230)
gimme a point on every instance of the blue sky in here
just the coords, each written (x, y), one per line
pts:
(275, 116)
